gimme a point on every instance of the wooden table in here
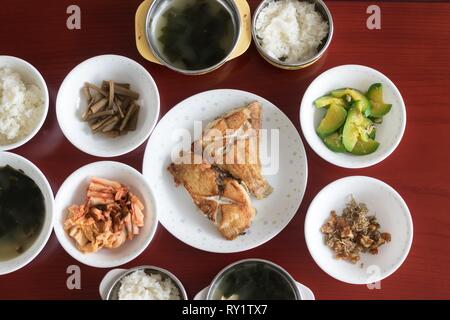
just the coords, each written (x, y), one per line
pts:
(412, 48)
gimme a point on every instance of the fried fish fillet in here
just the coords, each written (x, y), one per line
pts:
(232, 143)
(223, 167)
(221, 198)
(237, 210)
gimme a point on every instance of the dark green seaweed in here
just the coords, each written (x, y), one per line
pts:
(196, 36)
(255, 282)
(22, 208)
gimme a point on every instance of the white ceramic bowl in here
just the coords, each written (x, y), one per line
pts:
(389, 133)
(73, 191)
(20, 163)
(71, 103)
(382, 201)
(29, 75)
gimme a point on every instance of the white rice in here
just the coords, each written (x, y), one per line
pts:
(141, 286)
(21, 106)
(291, 30)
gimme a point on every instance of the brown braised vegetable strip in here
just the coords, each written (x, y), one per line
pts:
(105, 85)
(130, 112)
(121, 91)
(94, 87)
(97, 126)
(105, 122)
(108, 126)
(87, 93)
(88, 110)
(132, 125)
(118, 105)
(99, 105)
(114, 106)
(95, 99)
(86, 114)
(111, 93)
(100, 114)
(126, 104)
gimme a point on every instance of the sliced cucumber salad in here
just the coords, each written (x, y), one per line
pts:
(349, 123)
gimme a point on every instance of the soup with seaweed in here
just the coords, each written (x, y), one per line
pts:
(22, 212)
(194, 34)
(253, 281)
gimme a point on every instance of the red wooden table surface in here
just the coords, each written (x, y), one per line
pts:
(412, 48)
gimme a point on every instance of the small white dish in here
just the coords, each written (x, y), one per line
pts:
(71, 103)
(109, 285)
(286, 172)
(382, 201)
(29, 169)
(73, 191)
(29, 75)
(389, 133)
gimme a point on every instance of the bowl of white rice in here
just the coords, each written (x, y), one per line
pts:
(142, 283)
(292, 34)
(24, 102)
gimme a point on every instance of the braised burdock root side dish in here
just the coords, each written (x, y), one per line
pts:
(110, 216)
(112, 109)
(354, 232)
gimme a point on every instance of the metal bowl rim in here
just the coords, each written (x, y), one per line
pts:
(302, 63)
(270, 263)
(237, 29)
(183, 294)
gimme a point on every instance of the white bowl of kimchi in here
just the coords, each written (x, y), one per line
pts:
(105, 214)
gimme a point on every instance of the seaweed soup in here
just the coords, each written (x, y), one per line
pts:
(194, 34)
(22, 212)
(253, 281)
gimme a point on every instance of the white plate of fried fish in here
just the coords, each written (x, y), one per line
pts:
(228, 170)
